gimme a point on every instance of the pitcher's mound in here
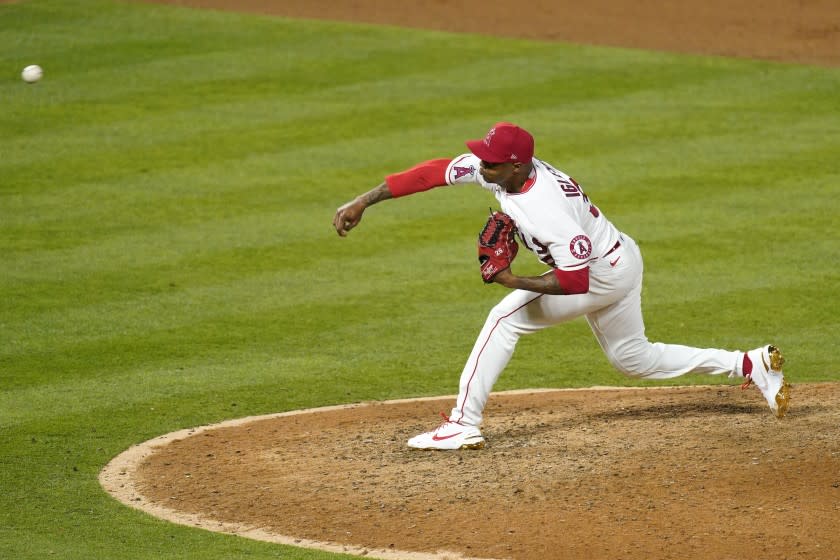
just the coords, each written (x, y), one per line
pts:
(686, 472)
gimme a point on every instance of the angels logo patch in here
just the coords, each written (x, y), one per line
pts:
(461, 171)
(581, 247)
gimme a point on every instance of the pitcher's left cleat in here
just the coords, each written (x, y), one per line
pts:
(763, 366)
(449, 435)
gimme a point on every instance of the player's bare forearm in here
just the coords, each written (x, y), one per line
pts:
(545, 284)
(349, 215)
(377, 194)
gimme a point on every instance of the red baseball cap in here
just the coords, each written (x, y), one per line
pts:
(504, 142)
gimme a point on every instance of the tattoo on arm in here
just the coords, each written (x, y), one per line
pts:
(375, 195)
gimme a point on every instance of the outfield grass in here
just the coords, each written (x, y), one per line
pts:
(168, 260)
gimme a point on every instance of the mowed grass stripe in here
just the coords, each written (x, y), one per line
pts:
(137, 205)
(70, 329)
(291, 360)
(273, 298)
(161, 356)
(161, 306)
(162, 363)
(137, 235)
(153, 142)
(165, 145)
(206, 254)
(807, 139)
(168, 300)
(253, 82)
(211, 237)
(152, 145)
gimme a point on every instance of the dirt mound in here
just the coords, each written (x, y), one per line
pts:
(691, 472)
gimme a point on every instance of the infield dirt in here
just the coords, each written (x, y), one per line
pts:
(694, 472)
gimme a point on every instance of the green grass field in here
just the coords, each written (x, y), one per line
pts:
(168, 258)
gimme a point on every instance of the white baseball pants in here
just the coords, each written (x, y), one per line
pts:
(613, 308)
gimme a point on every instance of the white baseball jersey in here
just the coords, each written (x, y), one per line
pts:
(554, 216)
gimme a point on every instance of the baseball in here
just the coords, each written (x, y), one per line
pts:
(32, 73)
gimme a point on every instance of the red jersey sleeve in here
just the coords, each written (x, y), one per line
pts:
(573, 281)
(421, 177)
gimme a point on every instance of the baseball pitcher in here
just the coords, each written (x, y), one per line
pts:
(595, 271)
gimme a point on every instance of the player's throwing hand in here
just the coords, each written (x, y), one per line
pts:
(348, 216)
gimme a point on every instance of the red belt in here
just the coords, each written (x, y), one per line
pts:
(616, 246)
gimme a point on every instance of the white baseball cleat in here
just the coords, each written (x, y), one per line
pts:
(449, 435)
(763, 366)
